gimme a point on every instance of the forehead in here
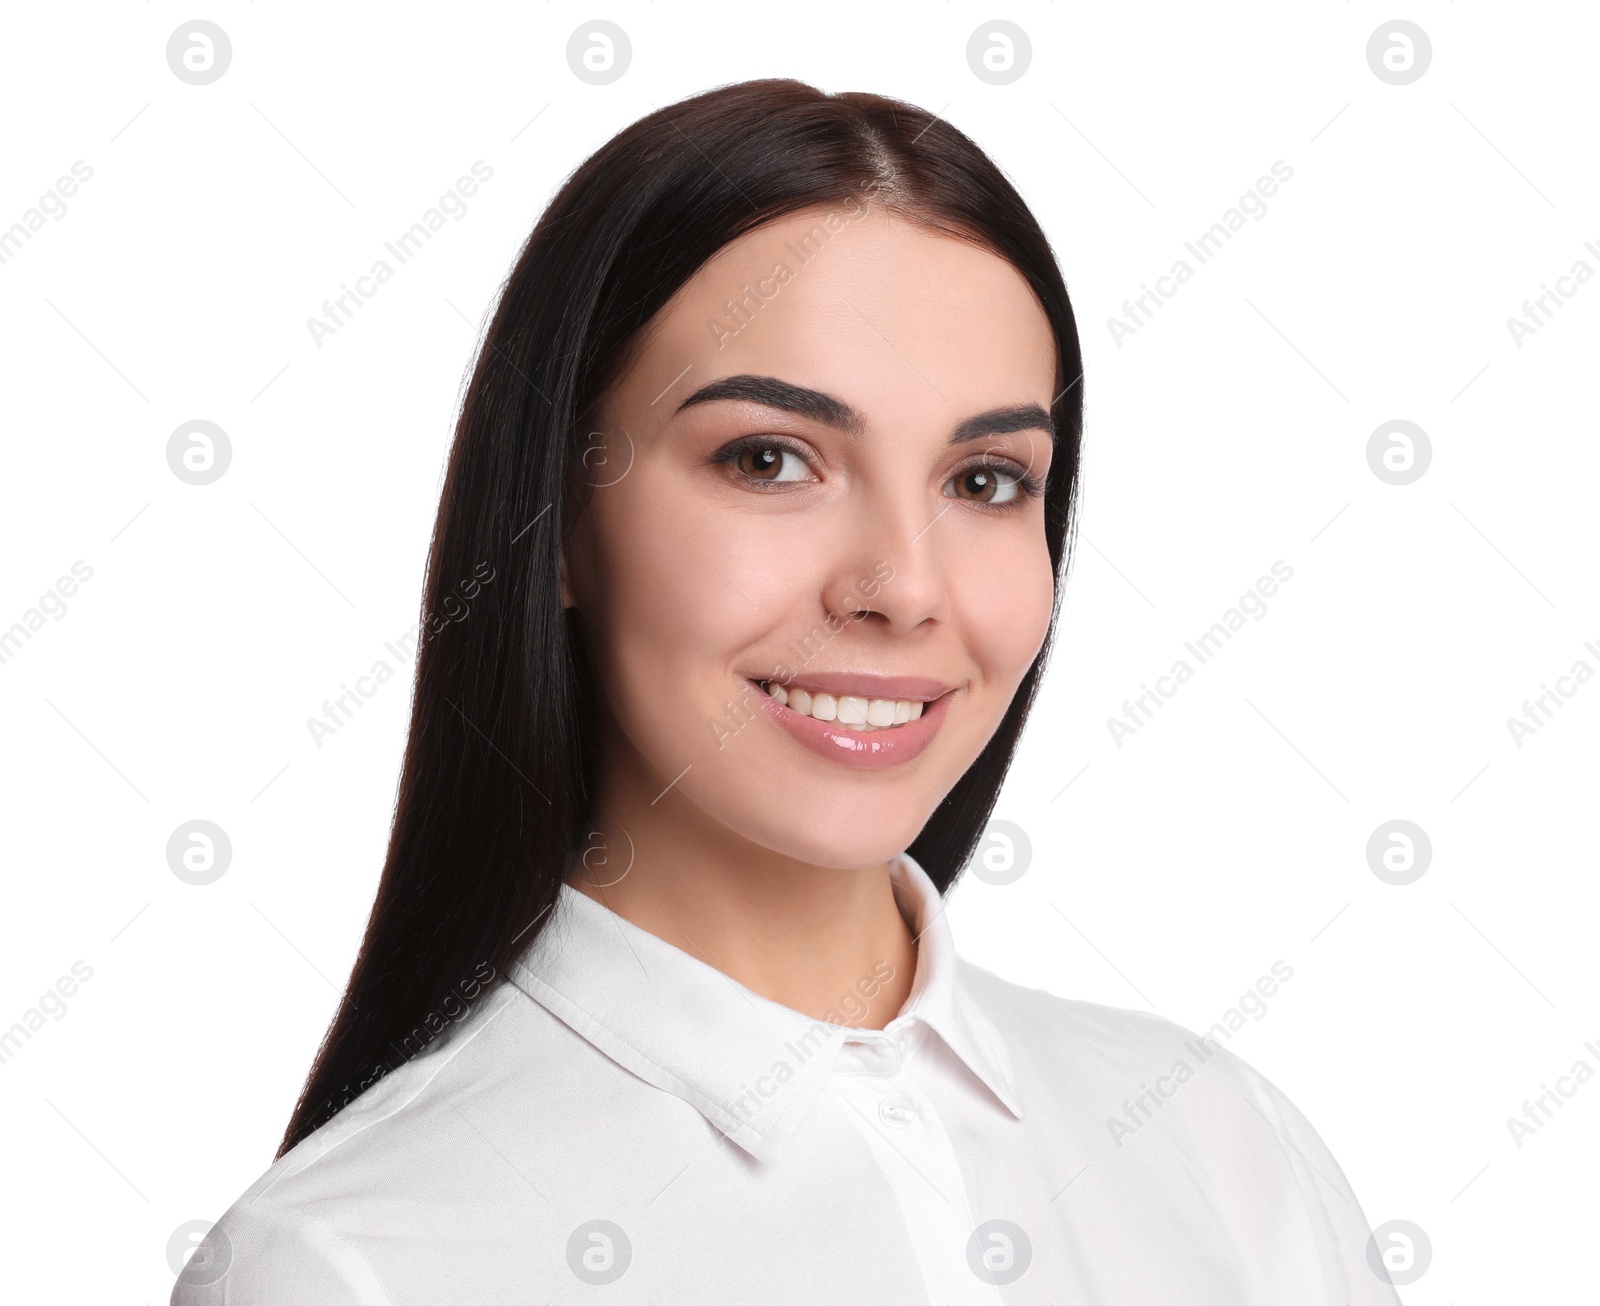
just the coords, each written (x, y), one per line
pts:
(873, 307)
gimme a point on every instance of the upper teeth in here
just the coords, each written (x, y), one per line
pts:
(853, 710)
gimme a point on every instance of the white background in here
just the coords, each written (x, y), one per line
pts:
(1228, 433)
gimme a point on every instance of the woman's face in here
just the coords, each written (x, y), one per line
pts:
(817, 475)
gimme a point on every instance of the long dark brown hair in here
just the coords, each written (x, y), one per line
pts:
(500, 765)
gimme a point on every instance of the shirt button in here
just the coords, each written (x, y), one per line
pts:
(897, 1110)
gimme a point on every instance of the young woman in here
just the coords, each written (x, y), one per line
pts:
(744, 575)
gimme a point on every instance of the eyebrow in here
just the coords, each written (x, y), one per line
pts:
(771, 392)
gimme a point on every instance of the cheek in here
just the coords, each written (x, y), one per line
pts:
(1004, 595)
(681, 593)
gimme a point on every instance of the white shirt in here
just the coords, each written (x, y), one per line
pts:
(621, 1122)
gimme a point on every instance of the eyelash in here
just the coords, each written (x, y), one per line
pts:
(1031, 485)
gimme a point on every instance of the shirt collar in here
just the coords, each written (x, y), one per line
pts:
(751, 1066)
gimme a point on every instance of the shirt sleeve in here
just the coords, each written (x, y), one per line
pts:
(1353, 1272)
(261, 1254)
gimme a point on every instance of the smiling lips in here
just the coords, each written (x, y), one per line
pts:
(887, 722)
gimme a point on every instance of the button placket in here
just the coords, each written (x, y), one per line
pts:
(913, 1151)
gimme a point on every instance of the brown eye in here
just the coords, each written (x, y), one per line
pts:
(768, 463)
(986, 484)
(763, 464)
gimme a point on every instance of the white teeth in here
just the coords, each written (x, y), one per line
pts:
(854, 710)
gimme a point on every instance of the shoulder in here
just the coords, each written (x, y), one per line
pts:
(1053, 1027)
(291, 1236)
(1077, 1053)
(265, 1252)
(1170, 1126)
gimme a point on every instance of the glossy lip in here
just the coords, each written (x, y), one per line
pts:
(872, 750)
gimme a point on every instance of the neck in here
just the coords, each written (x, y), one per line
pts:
(824, 941)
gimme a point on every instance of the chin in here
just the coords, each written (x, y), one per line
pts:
(839, 847)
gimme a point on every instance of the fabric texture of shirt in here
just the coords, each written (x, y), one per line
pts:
(621, 1122)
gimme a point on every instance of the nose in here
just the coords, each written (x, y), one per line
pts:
(888, 568)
